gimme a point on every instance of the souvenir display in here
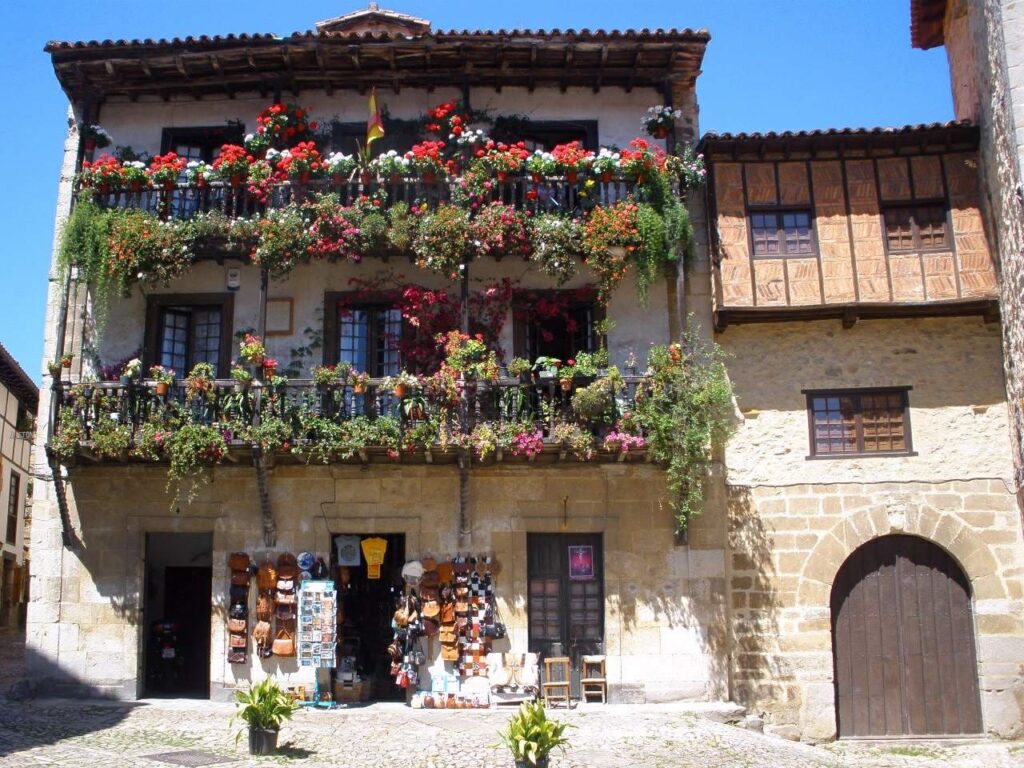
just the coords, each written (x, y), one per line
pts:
(317, 624)
(373, 550)
(238, 613)
(348, 551)
(285, 605)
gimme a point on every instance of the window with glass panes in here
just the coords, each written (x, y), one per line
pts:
(368, 338)
(782, 233)
(559, 334)
(855, 422)
(915, 227)
(189, 335)
(12, 507)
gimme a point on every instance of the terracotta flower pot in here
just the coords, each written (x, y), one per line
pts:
(571, 176)
(358, 389)
(606, 176)
(400, 390)
(162, 387)
(429, 177)
(104, 189)
(660, 132)
(89, 145)
(337, 179)
(535, 177)
(236, 180)
(502, 176)
(566, 385)
(365, 177)
(269, 371)
(304, 178)
(201, 182)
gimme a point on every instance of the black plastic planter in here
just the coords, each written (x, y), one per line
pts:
(262, 742)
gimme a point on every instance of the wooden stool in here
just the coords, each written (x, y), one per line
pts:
(556, 680)
(593, 681)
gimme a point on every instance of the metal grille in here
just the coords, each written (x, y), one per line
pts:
(190, 757)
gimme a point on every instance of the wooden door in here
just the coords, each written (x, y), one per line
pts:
(566, 596)
(903, 642)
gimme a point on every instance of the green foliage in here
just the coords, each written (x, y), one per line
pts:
(111, 439)
(264, 706)
(685, 410)
(530, 736)
(442, 241)
(84, 243)
(190, 449)
(68, 435)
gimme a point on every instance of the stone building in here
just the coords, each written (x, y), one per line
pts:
(846, 273)
(19, 398)
(983, 41)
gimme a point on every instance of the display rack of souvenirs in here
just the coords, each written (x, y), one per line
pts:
(453, 600)
(285, 605)
(238, 612)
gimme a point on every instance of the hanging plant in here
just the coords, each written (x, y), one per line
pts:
(557, 245)
(610, 234)
(684, 413)
(443, 241)
(190, 449)
(499, 230)
(283, 240)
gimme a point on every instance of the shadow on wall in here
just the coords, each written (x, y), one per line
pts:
(31, 719)
(759, 675)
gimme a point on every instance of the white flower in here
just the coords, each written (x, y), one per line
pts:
(249, 137)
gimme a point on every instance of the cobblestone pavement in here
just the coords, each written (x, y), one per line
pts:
(75, 734)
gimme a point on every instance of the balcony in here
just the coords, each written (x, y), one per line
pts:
(547, 195)
(296, 421)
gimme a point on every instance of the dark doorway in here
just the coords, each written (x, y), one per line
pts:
(176, 615)
(368, 607)
(903, 642)
(566, 596)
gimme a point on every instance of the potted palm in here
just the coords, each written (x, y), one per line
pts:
(264, 707)
(531, 737)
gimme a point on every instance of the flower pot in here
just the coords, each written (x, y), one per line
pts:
(262, 741)
(269, 371)
(400, 390)
(65, 362)
(365, 177)
(358, 389)
(201, 182)
(542, 762)
(606, 176)
(566, 385)
(535, 177)
(125, 381)
(660, 132)
(337, 179)
(236, 180)
(571, 176)
(104, 189)
(396, 178)
(135, 186)
(162, 387)
(641, 178)
(304, 178)
(429, 177)
(168, 186)
(502, 176)
(89, 145)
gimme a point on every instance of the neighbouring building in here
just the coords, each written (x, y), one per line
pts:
(857, 567)
(985, 45)
(19, 399)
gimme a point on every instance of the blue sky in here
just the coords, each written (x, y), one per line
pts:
(780, 65)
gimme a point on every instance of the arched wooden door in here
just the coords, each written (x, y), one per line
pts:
(903, 642)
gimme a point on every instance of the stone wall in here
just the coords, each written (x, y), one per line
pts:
(793, 522)
(664, 608)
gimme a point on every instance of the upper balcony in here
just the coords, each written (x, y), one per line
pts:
(848, 224)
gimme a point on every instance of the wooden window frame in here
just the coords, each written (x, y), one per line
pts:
(357, 300)
(530, 129)
(858, 392)
(157, 302)
(946, 247)
(12, 507)
(780, 231)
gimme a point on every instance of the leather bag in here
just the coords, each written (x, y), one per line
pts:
(238, 561)
(266, 576)
(237, 641)
(284, 644)
(239, 578)
(236, 625)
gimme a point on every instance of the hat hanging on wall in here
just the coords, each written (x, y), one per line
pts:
(412, 572)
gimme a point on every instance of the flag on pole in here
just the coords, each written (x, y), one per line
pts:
(374, 125)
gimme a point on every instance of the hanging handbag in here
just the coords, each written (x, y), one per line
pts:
(286, 598)
(264, 606)
(285, 585)
(237, 641)
(236, 657)
(240, 578)
(238, 561)
(266, 576)
(284, 644)
(261, 632)
(236, 625)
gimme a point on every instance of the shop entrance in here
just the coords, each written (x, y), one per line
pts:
(369, 605)
(566, 596)
(176, 614)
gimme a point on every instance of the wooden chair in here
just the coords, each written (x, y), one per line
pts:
(593, 680)
(556, 680)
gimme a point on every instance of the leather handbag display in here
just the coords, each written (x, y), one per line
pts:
(236, 625)
(237, 641)
(238, 561)
(266, 576)
(239, 578)
(284, 644)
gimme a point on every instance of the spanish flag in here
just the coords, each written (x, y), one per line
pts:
(374, 125)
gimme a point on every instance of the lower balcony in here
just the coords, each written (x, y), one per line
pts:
(536, 420)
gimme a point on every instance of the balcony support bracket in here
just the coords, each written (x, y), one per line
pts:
(67, 533)
(269, 527)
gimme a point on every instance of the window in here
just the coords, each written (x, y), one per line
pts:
(201, 143)
(553, 324)
(782, 233)
(910, 228)
(859, 422)
(545, 134)
(185, 329)
(12, 508)
(364, 333)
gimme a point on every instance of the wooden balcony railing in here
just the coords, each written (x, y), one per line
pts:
(186, 200)
(533, 406)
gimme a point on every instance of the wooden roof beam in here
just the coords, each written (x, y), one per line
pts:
(570, 52)
(533, 66)
(292, 82)
(215, 64)
(600, 68)
(321, 63)
(632, 77)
